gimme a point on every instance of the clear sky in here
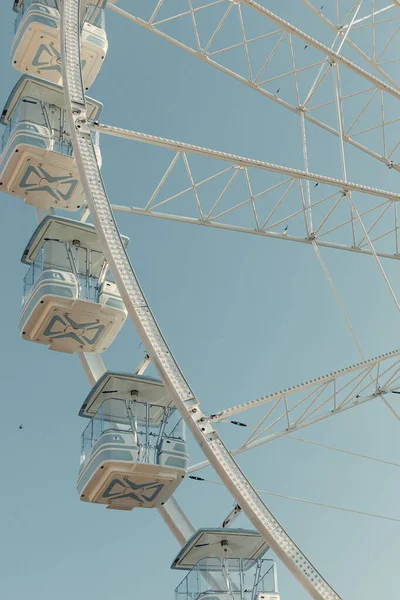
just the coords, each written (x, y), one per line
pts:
(244, 316)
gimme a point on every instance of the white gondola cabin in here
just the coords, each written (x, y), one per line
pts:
(134, 452)
(36, 49)
(226, 564)
(70, 302)
(36, 157)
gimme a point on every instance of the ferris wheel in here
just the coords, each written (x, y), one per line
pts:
(81, 285)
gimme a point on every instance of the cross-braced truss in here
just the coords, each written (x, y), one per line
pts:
(124, 275)
(284, 412)
(355, 99)
(206, 187)
(368, 29)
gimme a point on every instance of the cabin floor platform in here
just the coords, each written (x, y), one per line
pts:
(127, 486)
(44, 178)
(70, 325)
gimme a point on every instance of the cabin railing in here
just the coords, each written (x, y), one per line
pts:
(87, 289)
(147, 436)
(88, 284)
(229, 579)
(60, 145)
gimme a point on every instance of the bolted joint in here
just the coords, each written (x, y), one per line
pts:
(81, 124)
(205, 427)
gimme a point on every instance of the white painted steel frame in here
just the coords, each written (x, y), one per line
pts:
(302, 107)
(148, 330)
(341, 30)
(289, 28)
(335, 61)
(225, 226)
(344, 186)
(311, 235)
(324, 397)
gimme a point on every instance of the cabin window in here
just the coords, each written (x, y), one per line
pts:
(13, 120)
(30, 110)
(238, 578)
(148, 424)
(46, 115)
(95, 16)
(27, 110)
(88, 266)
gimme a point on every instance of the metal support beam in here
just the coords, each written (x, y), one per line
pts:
(304, 37)
(335, 57)
(225, 226)
(176, 521)
(143, 365)
(292, 101)
(233, 515)
(313, 401)
(93, 366)
(148, 329)
(285, 195)
(241, 161)
(342, 31)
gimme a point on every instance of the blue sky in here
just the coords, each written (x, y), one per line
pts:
(244, 316)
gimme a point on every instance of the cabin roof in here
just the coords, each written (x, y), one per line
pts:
(63, 230)
(207, 544)
(18, 3)
(39, 89)
(118, 386)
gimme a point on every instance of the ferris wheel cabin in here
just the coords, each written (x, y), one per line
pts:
(36, 157)
(36, 49)
(134, 452)
(70, 302)
(226, 564)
